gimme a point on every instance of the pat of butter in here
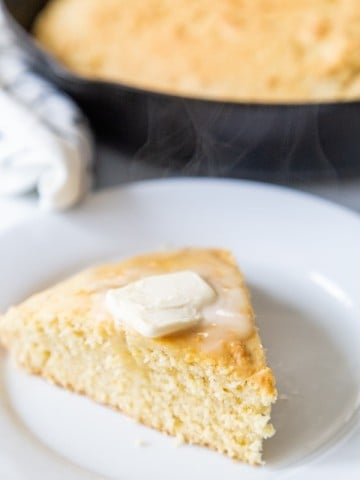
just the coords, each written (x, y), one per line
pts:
(161, 304)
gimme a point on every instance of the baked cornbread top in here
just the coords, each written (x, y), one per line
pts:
(242, 50)
(77, 304)
(217, 267)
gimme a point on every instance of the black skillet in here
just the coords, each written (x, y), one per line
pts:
(262, 141)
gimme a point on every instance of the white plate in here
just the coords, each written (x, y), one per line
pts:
(301, 258)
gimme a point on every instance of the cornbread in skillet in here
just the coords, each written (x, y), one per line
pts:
(253, 50)
(209, 385)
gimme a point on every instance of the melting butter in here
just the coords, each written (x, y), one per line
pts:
(160, 305)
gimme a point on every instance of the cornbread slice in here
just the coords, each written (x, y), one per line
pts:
(209, 385)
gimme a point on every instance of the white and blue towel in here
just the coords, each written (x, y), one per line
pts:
(45, 141)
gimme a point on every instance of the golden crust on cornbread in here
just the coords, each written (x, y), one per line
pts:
(241, 50)
(209, 385)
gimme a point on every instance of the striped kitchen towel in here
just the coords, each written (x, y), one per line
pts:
(45, 141)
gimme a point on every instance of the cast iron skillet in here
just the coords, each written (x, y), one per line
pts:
(199, 137)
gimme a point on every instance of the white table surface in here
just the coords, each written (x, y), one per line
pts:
(116, 169)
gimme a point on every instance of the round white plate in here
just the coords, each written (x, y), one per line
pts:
(301, 258)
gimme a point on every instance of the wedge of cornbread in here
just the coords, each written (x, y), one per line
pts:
(209, 385)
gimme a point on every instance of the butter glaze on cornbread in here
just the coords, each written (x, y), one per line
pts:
(253, 50)
(210, 386)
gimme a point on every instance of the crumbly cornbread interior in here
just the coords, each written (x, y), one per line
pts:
(209, 386)
(241, 50)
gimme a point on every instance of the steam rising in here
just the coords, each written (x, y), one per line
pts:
(278, 143)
